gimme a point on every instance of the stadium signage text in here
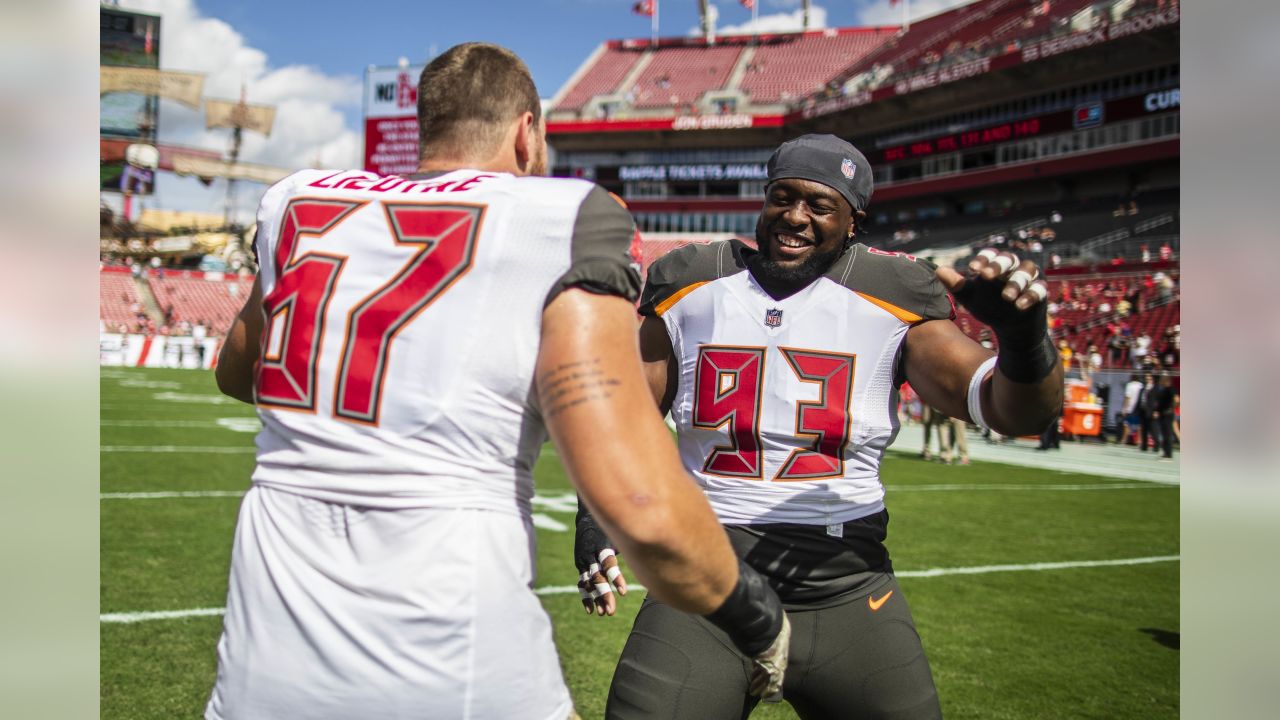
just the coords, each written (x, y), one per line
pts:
(663, 173)
(1115, 31)
(1163, 100)
(711, 122)
(1035, 51)
(1085, 115)
(933, 78)
(390, 120)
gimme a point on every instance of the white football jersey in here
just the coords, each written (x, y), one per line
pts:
(785, 407)
(403, 318)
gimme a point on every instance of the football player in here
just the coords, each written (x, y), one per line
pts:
(409, 343)
(780, 367)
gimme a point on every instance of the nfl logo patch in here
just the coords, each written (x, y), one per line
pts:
(773, 318)
(847, 167)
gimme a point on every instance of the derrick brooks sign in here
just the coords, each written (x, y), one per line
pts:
(390, 119)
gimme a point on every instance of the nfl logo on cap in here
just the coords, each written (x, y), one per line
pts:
(773, 318)
(847, 167)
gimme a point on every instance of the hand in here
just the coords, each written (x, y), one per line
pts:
(597, 563)
(998, 289)
(770, 666)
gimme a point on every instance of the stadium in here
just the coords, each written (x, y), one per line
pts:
(1049, 128)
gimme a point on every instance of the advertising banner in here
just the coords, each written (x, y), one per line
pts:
(391, 120)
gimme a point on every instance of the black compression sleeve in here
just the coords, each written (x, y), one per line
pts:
(752, 614)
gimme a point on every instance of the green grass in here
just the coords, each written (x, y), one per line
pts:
(1074, 643)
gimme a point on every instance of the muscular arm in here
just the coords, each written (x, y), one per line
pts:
(600, 412)
(240, 350)
(939, 362)
(659, 362)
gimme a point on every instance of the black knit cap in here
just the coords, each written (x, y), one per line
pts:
(828, 160)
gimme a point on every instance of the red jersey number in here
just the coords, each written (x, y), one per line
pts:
(727, 390)
(296, 307)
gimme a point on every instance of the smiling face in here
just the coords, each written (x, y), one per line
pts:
(801, 231)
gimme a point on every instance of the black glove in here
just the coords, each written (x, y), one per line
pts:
(597, 561)
(1010, 297)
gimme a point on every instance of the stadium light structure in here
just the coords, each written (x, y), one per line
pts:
(238, 116)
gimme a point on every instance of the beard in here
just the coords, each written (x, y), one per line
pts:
(769, 270)
(538, 163)
(808, 270)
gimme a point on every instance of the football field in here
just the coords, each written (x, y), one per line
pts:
(1038, 593)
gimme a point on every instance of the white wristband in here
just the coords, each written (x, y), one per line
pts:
(975, 393)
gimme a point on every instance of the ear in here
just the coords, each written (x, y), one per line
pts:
(853, 221)
(525, 140)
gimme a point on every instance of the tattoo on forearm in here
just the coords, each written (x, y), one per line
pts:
(574, 383)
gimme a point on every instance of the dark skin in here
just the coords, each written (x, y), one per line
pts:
(939, 358)
(801, 231)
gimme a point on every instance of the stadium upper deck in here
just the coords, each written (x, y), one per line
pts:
(967, 116)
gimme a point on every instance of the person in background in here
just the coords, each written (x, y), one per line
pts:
(1166, 400)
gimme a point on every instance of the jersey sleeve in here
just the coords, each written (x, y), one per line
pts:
(681, 270)
(604, 250)
(901, 284)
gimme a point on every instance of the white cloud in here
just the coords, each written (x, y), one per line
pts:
(776, 22)
(309, 104)
(879, 12)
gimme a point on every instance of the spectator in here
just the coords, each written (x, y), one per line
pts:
(1118, 347)
(1132, 393)
(951, 434)
(1094, 359)
(1165, 397)
(1146, 253)
(1141, 346)
(198, 334)
(1166, 252)
(932, 419)
(1163, 287)
(1064, 352)
(1148, 403)
(1123, 308)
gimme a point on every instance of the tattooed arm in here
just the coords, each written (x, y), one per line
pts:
(619, 454)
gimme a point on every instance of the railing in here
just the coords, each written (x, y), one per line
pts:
(1091, 246)
(1153, 223)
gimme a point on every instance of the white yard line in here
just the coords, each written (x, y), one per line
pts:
(1034, 567)
(169, 494)
(568, 589)
(1058, 488)
(193, 449)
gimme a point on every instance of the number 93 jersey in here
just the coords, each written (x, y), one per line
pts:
(402, 323)
(784, 408)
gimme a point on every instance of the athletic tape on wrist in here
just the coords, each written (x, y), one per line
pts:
(975, 393)
(1026, 362)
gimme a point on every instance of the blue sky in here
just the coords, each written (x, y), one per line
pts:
(308, 58)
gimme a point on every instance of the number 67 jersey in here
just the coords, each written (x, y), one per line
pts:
(785, 407)
(402, 323)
